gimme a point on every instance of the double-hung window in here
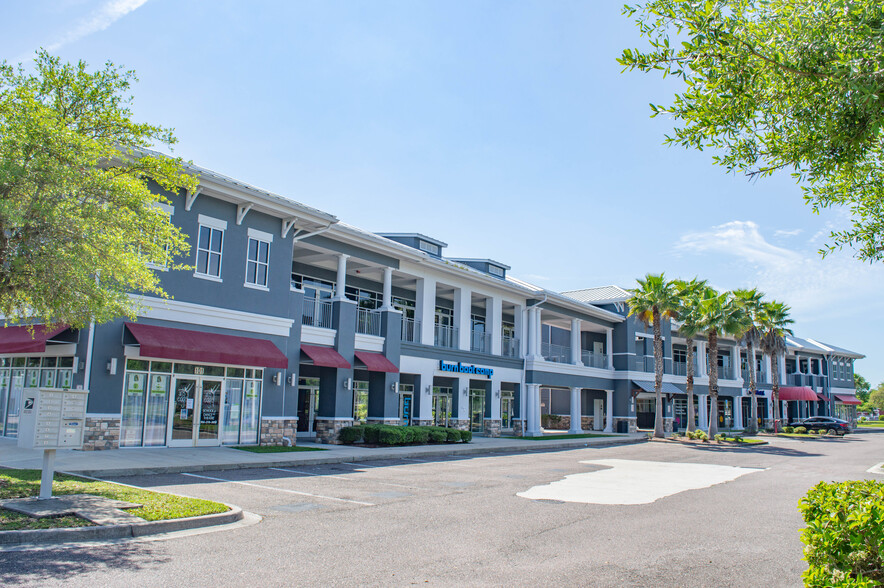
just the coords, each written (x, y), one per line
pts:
(258, 259)
(209, 247)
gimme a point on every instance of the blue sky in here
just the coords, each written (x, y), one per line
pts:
(505, 129)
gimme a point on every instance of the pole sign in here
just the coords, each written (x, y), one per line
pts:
(460, 368)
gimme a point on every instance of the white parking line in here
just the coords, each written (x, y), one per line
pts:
(281, 490)
(345, 478)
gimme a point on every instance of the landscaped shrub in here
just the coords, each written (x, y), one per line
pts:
(844, 534)
(350, 435)
(466, 436)
(419, 435)
(371, 433)
(812, 432)
(720, 437)
(800, 430)
(738, 438)
(437, 435)
(551, 421)
(390, 435)
(698, 435)
(453, 436)
(788, 430)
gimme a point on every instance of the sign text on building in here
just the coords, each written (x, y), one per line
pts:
(459, 368)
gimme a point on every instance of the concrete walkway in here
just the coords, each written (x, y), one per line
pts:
(161, 460)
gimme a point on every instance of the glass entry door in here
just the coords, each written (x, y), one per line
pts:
(308, 404)
(195, 411)
(506, 411)
(441, 406)
(477, 410)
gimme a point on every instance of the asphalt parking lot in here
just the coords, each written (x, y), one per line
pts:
(467, 521)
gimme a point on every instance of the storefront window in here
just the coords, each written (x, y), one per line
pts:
(360, 401)
(46, 372)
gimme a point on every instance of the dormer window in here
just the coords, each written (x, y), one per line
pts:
(495, 271)
(431, 248)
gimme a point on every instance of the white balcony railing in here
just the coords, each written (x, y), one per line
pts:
(594, 360)
(480, 342)
(368, 322)
(411, 330)
(510, 346)
(557, 353)
(317, 313)
(445, 336)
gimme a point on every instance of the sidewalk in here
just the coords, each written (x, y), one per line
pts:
(163, 460)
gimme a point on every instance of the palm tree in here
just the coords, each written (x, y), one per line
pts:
(654, 300)
(689, 315)
(720, 315)
(774, 325)
(751, 302)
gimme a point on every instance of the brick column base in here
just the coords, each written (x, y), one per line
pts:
(492, 427)
(422, 423)
(101, 433)
(394, 422)
(278, 430)
(518, 427)
(327, 430)
(462, 424)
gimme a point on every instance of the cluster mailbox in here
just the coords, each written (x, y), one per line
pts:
(52, 418)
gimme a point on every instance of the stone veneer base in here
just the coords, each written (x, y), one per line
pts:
(492, 427)
(101, 433)
(518, 427)
(327, 430)
(462, 424)
(279, 431)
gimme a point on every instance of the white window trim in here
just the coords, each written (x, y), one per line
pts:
(207, 277)
(260, 235)
(428, 247)
(215, 223)
(167, 208)
(197, 273)
(268, 242)
(495, 270)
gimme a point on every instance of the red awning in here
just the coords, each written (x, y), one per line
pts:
(848, 399)
(167, 343)
(375, 362)
(821, 397)
(325, 357)
(797, 393)
(19, 340)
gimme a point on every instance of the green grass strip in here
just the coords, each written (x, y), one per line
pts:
(275, 448)
(155, 506)
(872, 424)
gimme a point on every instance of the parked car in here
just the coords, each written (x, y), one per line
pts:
(828, 424)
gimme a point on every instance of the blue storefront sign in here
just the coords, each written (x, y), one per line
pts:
(460, 368)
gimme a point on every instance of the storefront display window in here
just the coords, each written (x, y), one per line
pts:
(46, 372)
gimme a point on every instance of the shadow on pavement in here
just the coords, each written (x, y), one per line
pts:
(33, 567)
(763, 450)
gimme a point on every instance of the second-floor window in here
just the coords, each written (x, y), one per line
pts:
(209, 247)
(257, 262)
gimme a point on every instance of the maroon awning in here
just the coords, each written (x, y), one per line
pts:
(821, 397)
(19, 340)
(846, 399)
(797, 393)
(325, 357)
(375, 362)
(168, 343)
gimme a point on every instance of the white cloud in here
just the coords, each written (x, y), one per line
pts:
(99, 20)
(814, 287)
(792, 233)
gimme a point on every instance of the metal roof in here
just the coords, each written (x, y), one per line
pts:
(600, 295)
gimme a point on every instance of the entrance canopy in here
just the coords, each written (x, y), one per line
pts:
(822, 398)
(797, 393)
(668, 387)
(19, 340)
(847, 399)
(375, 362)
(325, 357)
(167, 343)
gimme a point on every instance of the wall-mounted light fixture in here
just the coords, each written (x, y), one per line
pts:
(293, 379)
(497, 393)
(395, 387)
(112, 366)
(429, 389)
(348, 384)
(466, 390)
(277, 378)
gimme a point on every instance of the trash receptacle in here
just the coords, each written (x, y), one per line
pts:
(622, 427)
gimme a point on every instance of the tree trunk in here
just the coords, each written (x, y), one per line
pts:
(689, 387)
(752, 427)
(658, 376)
(775, 389)
(712, 355)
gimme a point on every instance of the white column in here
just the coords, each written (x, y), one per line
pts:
(534, 410)
(609, 411)
(425, 309)
(738, 412)
(519, 322)
(341, 284)
(538, 317)
(425, 413)
(701, 359)
(388, 289)
(532, 333)
(736, 372)
(704, 419)
(765, 368)
(576, 413)
(463, 306)
(495, 316)
(609, 346)
(781, 360)
(463, 401)
(575, 342)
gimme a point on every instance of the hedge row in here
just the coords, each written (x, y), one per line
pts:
(844, 537)
(393, 435)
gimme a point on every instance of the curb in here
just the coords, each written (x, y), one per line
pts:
(102, 533)
(473, 450)
(711, 443)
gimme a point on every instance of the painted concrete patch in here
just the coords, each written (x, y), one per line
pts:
(634, 482)
(877, 469)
